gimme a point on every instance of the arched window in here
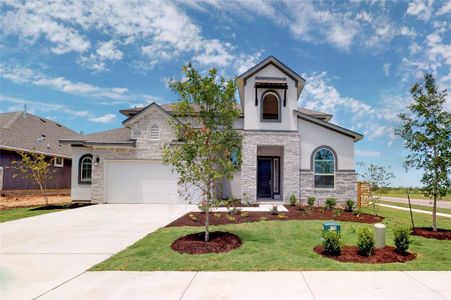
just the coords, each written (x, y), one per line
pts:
(85, 169)
(324, 168)
(270, 106)
(155, 132)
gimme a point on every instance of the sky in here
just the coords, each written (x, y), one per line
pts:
(80, 62)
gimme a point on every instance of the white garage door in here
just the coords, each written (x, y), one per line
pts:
(140, 182)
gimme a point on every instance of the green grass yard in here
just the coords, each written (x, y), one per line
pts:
(25, 212)
(276, 245)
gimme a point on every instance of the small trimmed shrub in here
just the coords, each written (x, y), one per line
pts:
(192, 217)
(282, 216)
(274, 210)
(231, 218)
(365, 241)
(311, 201)
(330, 203)
(332, 242)
(401, 238)
(293, 200)
(245, 200)
(349, 205)
(217, 215)
(244, 214)
(262, 219)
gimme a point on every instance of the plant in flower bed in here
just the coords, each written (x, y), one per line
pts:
(274, 210)
(349, 205)
(330, 203)
(332, 242)
(365, 241)
(233, 211)
(293, 200)
(311, 202)
(401, 238)
(244, 214)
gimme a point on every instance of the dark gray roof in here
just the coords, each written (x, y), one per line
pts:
(115, 136)
(27, 132)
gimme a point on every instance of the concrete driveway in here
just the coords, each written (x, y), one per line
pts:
(40, 253)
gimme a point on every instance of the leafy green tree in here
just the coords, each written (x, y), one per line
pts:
(378, 178)
(35, 167)
(426, 133)
(208, 110)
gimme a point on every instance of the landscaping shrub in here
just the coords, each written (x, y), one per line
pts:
(244, 214)
(365, 241)
(332, 242)
(282, 216)
(311, 201)
(245, 200)
(401, 238)
(192, 217)
(273, 210)
(233, 211)
(330, 203)
(231, 218)
(349, 205)
(217, 215)
(293, 200)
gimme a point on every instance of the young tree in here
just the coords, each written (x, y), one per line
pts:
(426, 133)
(207, 135)
(378, 178)
(35, 167)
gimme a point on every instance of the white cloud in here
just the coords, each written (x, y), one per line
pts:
(246, 61)
(446, 8)
(386, 68)
(22, 75)
(107, 118)
(159, 29)
(367, 153)
(422, 9)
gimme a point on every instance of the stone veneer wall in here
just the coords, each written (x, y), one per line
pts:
(145, 149)
(345, 187)
(290, 141)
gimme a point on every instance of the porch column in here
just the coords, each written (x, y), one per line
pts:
(249, 167)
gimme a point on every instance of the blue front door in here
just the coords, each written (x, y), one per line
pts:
(264, 183)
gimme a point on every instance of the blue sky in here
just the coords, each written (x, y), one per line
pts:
(80, 62)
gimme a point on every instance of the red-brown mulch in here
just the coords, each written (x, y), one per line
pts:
(384, 255)
(427, 232)
(218, 242)
(294, 213)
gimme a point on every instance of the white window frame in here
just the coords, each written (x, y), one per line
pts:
(58, 165)
(152, 128)
(86, 180)
(324, 174)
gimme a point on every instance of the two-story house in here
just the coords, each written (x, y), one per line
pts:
(286, 149)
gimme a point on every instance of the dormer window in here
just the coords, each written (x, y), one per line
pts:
(270, 106)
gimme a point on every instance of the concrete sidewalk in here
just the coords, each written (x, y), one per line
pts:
(255, 285)
(423, 202)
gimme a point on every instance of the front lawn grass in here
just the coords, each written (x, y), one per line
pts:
(276, 245)
(25, 212)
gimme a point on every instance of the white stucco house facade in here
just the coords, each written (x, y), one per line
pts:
(286, 149)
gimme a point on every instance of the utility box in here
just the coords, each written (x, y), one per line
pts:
(379, 235)
(331, 226)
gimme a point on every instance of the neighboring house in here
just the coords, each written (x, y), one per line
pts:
(286, 149)
(21, 131)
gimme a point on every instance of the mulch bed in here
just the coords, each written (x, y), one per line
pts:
(294, 213)
(440, 234)
(384, 255)
(218, 242)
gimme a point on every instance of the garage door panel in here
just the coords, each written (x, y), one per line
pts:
(140, 182)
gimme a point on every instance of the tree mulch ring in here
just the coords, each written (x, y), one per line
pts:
(427, 232)
(293, 213)
(384, 255)
(219, 242)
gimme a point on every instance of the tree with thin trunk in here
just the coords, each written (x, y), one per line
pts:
(426, 132)
(35, 167)
(378, 178)
(206, 113)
